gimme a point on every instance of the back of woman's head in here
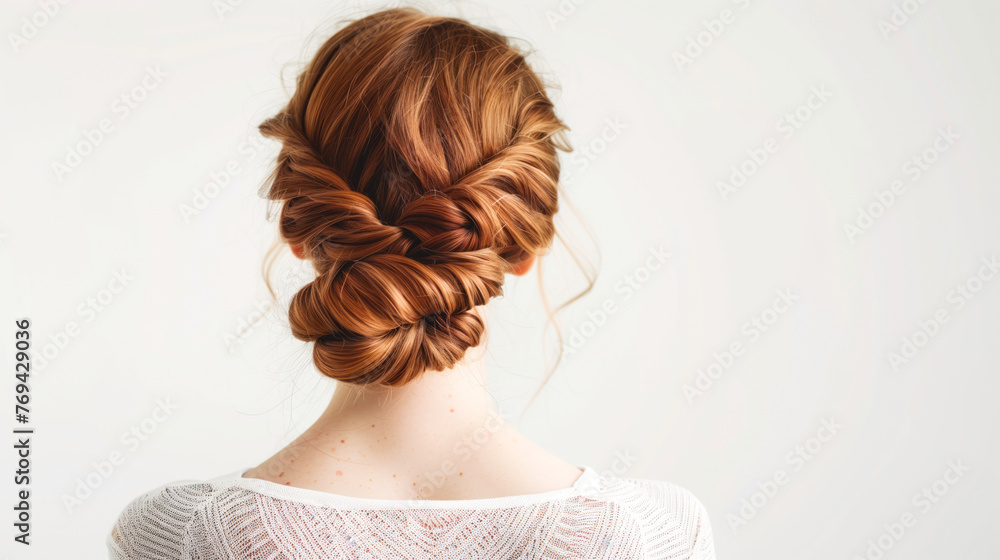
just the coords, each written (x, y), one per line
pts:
(418, 166)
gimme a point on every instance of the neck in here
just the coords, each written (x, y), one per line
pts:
(432, 411)
(453, 396)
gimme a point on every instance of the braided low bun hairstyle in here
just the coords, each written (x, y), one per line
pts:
(418, 166)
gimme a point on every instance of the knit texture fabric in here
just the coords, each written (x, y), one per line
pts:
(231, 517)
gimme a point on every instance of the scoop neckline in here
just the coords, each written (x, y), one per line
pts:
(588, 480)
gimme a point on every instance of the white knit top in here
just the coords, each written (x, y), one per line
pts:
(231, 517)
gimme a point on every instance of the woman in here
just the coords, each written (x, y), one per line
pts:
(418, 168)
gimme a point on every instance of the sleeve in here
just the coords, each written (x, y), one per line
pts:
(154, 526)
(703, 547)
(675, 523)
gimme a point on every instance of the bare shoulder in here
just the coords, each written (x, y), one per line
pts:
(505, 463)
(529, 466)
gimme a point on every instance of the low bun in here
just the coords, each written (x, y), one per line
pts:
(418, 166)
(401, 354)
(385, 291)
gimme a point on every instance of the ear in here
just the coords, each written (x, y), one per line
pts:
(523, 267)
(296, 250)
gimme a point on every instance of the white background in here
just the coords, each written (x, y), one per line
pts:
(195, 280)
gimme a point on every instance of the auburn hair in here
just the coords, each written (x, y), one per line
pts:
(418, 166)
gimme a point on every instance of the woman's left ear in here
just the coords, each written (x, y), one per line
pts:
(296, 250)
(523, 267)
